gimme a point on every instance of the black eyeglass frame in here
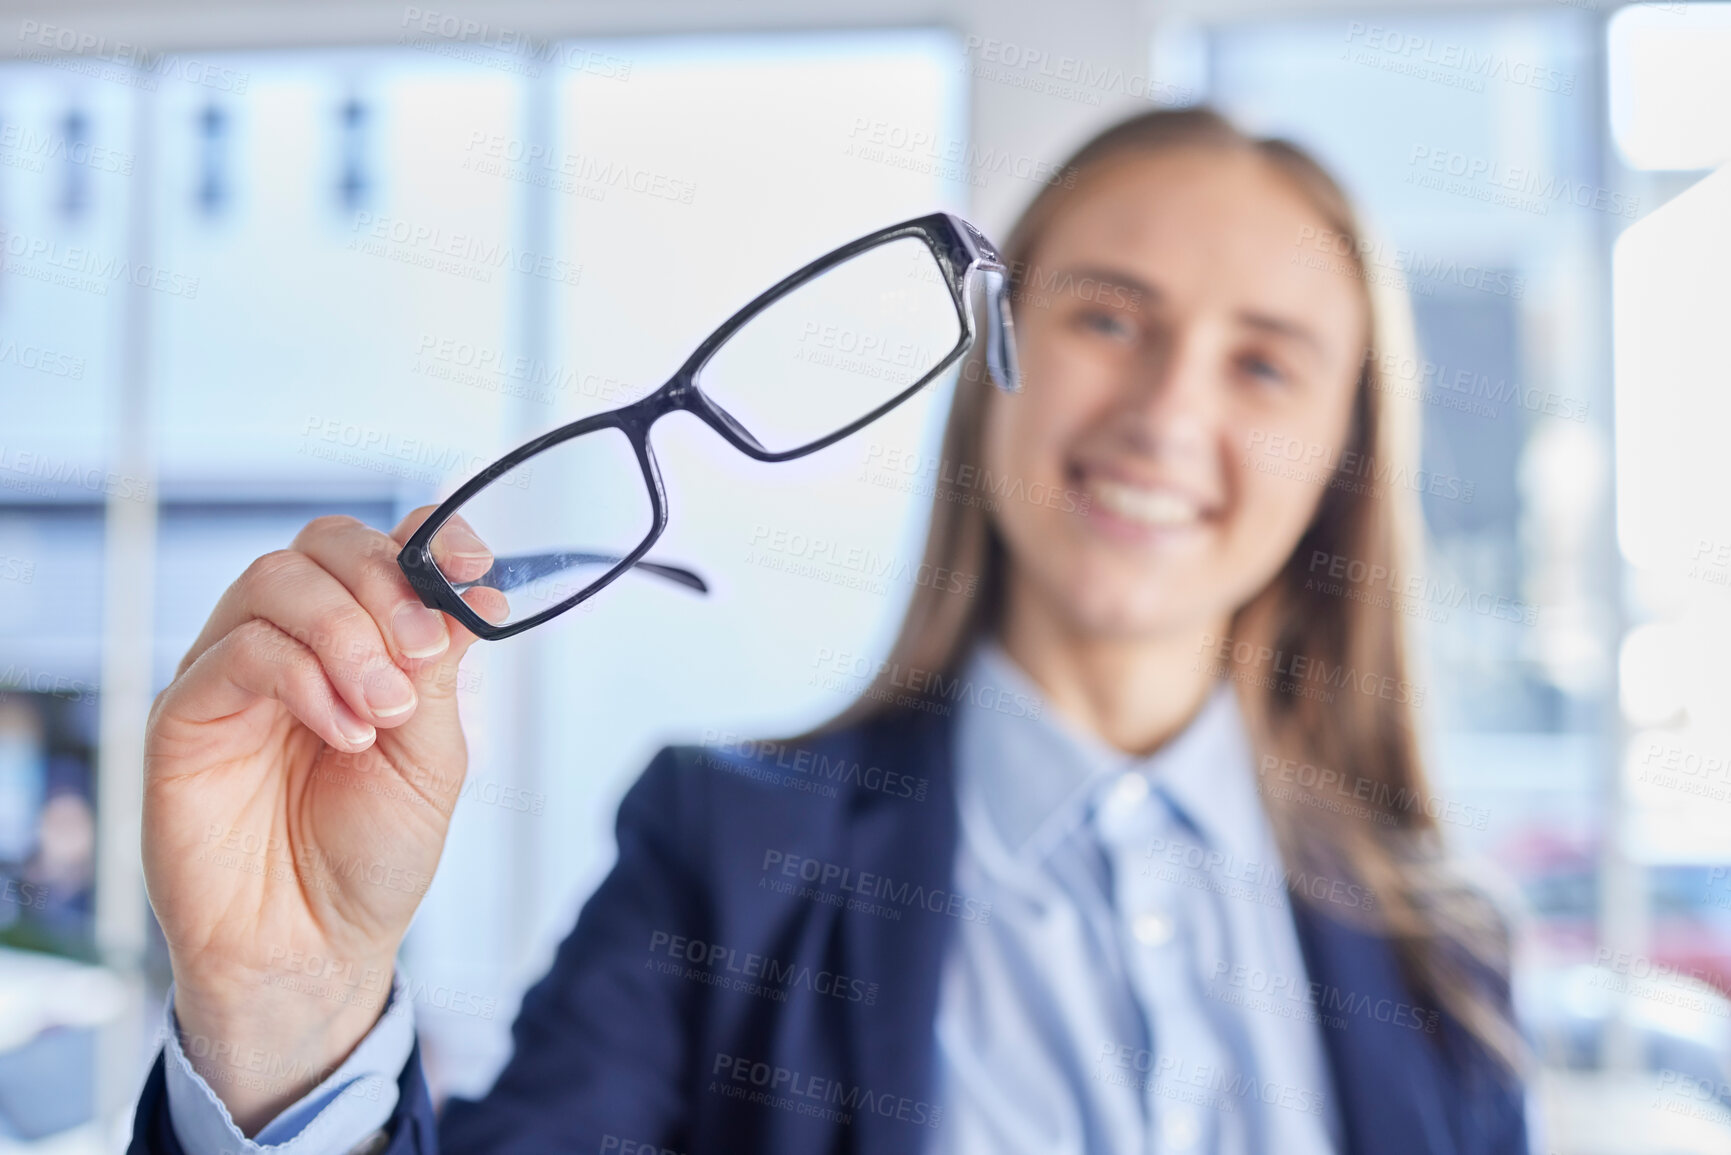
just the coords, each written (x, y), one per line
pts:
(960, 250)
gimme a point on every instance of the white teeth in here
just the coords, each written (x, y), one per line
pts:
(1159, 507)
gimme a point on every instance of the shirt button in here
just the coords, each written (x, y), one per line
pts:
(1116, 814)
(1128, 792)
(1152, 927)
(1179, 1128)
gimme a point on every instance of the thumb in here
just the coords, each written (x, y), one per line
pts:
(439, 677)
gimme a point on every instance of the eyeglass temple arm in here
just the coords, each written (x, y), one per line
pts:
(510, 572)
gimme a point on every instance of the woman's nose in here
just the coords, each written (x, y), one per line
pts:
(1171, 395)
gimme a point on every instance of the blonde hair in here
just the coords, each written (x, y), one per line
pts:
(1446, 933)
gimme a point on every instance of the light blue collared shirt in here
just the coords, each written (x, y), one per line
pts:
(1114, 1003)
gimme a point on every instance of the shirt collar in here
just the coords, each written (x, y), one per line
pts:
(1208, 773)
(1036, 774)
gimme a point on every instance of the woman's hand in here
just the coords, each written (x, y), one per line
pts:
(299, 778)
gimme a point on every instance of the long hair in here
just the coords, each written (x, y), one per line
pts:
(1314, 750)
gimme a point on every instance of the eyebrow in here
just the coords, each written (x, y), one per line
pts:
(1113, 278)
(1281, 327)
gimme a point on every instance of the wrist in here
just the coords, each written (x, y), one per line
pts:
(261, 1046)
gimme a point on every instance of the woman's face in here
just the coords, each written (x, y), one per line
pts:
(1172, 340)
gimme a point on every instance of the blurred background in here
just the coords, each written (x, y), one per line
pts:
(261, 261)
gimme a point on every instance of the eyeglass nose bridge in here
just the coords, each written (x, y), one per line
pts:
(682, 392)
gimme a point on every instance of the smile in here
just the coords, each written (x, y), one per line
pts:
(1161, 508)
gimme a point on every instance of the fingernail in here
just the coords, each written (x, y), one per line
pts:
(356, 731)
(459, 542)
(420, 632)
(388, 693)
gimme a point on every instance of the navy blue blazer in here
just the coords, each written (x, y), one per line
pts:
(833, 914)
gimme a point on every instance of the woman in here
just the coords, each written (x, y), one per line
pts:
(1146, 861)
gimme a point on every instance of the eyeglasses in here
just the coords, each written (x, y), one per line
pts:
(821, 354)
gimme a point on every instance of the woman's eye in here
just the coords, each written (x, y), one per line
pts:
(1264, 370)
(1106, 324)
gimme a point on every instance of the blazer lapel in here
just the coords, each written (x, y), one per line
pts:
(911, 842)
(1391, 1085)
